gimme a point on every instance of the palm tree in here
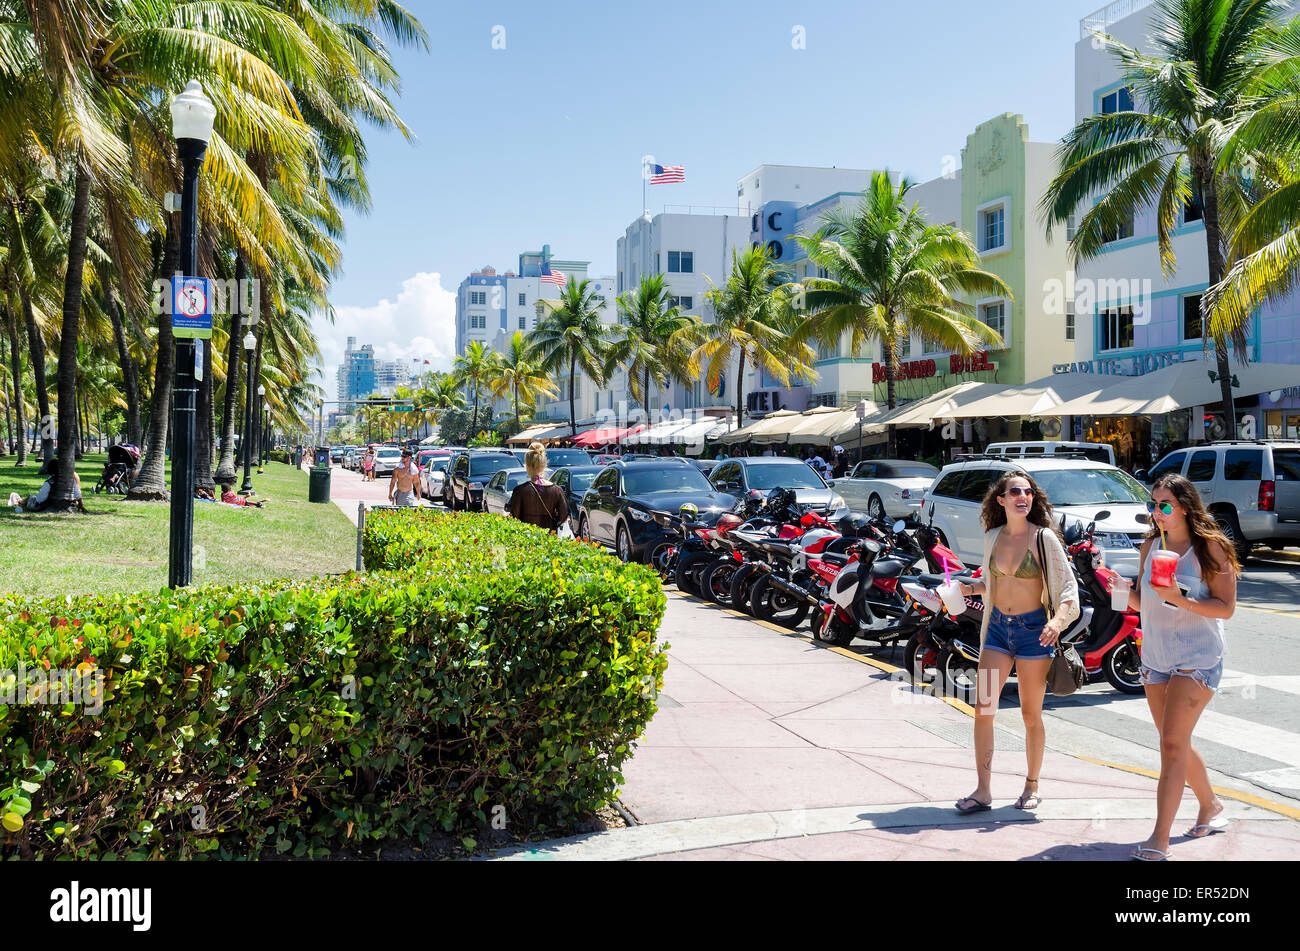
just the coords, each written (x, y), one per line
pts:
(1198, 84)
(571, 335)
(892, 274)
(752, 324)
(473, 368)
(518, 374)
(653, 339)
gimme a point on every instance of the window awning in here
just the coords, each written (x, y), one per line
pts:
(771, 423)
(1036, 398)
(1176, 387)
(659, 433)
(604, 436)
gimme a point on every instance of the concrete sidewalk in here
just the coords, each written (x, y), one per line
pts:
(769, 746)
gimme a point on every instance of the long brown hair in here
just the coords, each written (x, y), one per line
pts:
(1040, 507)
(1200, 525)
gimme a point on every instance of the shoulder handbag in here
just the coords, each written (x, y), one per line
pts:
(561, 527)
(1067, 673)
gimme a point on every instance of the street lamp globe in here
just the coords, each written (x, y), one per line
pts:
(250, 342)
(261, 389)
(193, 113)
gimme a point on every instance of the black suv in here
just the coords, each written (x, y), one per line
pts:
(575, 480)
(468, 473)
(615, 511)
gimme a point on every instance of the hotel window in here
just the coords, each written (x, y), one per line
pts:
(478, 297)
(685, 303)
(994, 316)
(823, 272)
(904, 348)
(991, 226)
(1125, 230)
(1116, 326)
(1069, 321)
(523, 300)
(477, 321)
(931, 346)
(1192, 326)
(681, 262)
(1121, 100)
(523, 321)
(1071, 226)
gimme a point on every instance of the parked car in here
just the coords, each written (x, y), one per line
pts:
(1100, 451)
(567, 457)
(468, 473)
(758, 476)
(705, 465)
(336, 453)
(387, 459)
(1076, 488)
(605, 458)
(884, 488)
(433, 476)
(616, 509)
(575, 481)
(496, 494)
(1251, 487)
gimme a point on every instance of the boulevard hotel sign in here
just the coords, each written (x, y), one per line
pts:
(924, 369)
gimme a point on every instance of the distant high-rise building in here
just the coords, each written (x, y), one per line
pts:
(356, 377)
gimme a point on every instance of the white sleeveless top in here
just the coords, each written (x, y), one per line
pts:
(1174, 637)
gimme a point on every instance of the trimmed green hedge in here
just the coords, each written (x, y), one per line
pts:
(483, 670)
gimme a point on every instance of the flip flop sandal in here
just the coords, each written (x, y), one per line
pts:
(1137, 855)
(1217, 824)
(1032, 801)
(976, 806)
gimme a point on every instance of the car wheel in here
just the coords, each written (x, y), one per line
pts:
(582, 529)
(875, 508)
(1229, 525)
(623, 544)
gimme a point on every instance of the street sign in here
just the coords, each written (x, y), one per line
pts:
(191, 308)
(403, 408)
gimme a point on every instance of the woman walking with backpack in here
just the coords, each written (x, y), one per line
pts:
(1030, 599)
(1182, 646)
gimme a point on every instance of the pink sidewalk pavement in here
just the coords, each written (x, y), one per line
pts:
(768, 746)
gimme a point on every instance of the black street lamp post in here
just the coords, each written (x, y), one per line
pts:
(192, 118)
(258, 438)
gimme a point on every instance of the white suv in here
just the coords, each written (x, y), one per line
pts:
(1251, 487)
(1077, 488)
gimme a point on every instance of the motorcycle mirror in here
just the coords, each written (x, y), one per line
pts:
(899, 525)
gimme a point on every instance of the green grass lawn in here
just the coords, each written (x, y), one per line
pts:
(121, 546)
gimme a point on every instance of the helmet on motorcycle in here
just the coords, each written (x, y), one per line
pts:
(727, 522)
(780, 498)
(689, 512)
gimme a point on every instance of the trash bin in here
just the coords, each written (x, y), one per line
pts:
(318, 487)
(296, 459)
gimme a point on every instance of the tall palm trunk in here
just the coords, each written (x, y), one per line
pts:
(891, 375)
(740, 390)
(36, 346)
(151, 485)
(1214, 253)
(4, 388)
(130, 374)
(230, 405)
(62, 495)
(16, 366)
(573, 415)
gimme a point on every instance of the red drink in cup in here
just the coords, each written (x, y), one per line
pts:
(1163, 565)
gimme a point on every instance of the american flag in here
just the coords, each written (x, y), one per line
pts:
(553, 277)
(667, 174)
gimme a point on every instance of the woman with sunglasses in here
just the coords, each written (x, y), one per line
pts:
(1030, 599)
(1182, 649)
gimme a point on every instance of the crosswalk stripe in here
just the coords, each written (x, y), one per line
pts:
(1237, 678)
(1281, 746)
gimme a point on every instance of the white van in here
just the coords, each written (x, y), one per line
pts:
(1097, 451)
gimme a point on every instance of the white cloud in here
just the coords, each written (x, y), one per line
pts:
(420, 324)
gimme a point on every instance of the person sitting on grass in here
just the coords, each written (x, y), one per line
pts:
(203, 495)
(230, 498)
(36, 501)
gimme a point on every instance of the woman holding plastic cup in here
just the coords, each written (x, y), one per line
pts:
(1186, 593)
(1030, 598)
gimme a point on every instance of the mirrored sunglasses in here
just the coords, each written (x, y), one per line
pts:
(1166, 508)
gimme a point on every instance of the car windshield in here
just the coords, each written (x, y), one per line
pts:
(1090, 486)
(677, 479)
(388, 454)
(440, 464)
(784, 475)
(486, 465)
(567, 457)
(516, 478)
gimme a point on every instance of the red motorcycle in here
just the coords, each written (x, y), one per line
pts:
(1113, 644)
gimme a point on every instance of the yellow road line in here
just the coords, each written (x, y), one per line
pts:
(1289, 811)
(1247, 607)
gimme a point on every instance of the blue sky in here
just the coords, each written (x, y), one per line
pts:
(541, 142)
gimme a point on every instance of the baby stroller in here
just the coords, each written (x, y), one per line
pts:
(116, 477)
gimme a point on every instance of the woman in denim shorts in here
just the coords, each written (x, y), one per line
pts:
(1031, 598)
(1182, 649)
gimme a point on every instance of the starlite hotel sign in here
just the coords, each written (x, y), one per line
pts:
(1137, 364)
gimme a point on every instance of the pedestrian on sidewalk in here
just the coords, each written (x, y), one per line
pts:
(1030, 598)
(538, 501)
(1182, 649)
(368, 466)
(404, 486)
